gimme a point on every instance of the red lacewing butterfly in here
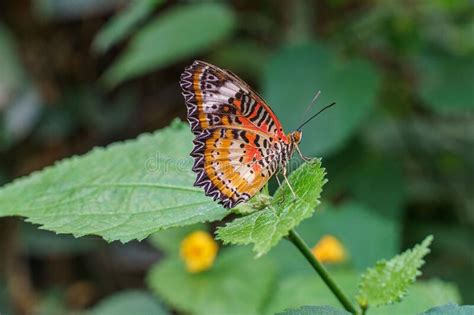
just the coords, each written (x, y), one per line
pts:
(239, 142)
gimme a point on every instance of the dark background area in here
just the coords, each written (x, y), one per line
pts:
(399, 142)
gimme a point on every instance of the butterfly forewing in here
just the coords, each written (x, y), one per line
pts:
(238, 139)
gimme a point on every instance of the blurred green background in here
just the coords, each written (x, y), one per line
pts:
(398, 146)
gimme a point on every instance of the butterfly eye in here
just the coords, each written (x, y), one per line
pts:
(296, 136)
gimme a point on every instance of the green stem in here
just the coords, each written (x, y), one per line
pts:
(306, 251)
(364, 309)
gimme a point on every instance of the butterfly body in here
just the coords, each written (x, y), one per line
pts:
(239, 142)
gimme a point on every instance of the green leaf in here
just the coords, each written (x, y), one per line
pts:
(124, 23)
(315, 310)
(183, 31)
(450, 309)
(446, 84)
(265, 228)
(306, 289)
(296, 73)
(123, 192)
(421, 296)
(260, 201)
(169, 240)
(303, 289)
(236, 284)
(129, 302)
(388, 281)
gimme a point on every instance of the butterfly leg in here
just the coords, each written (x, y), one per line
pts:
(304, 158)
(287, 182)
(278, 180)
(280, 186)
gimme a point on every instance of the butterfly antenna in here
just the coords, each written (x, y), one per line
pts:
(309, 106)
(311, 118)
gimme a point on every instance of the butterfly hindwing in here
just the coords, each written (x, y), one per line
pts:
(237, 135)
(231, 165)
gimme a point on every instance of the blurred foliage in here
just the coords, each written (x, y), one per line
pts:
(351, 223)
(317, 68)
(20, 104)
(71, 9)
(13, 75)
(169, 240)
(4, 305)
(314, 310)
(298, 290)
(303, 290)
(446, 83)
(184, 30)
(129, 302)
(397, 147)
(40, 243)
(236, 277)
(450, 309)
(124, 23)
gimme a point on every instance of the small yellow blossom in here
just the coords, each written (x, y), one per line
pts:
(198, 251)
(329, 250)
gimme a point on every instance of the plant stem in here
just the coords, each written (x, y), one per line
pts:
(306, 251)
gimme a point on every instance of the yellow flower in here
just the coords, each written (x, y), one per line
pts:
(329, 250)
(198, 251)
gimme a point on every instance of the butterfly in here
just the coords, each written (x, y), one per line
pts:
(239, 142)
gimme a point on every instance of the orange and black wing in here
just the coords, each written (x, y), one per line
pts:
(237, 136)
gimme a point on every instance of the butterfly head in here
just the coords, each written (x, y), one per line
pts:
(296, 136)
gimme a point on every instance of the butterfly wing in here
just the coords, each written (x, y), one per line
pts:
(238, 137)
(231, 165)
